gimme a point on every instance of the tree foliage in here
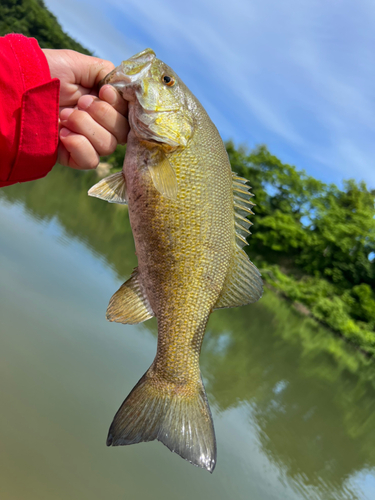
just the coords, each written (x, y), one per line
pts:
(327, 231)
(314, 241)
(33, 19)
(342, 235)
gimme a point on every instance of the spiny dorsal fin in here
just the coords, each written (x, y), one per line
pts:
(111, 189)
(163, 176)
(243, 284)
(242, 208)
(129, 305)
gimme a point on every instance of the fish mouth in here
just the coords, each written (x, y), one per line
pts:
(129, 71)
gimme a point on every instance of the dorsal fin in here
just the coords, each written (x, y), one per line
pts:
(111, 189)
(242, 208)
(243, 284)
(129, 305)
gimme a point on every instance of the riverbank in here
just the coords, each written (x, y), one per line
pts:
(314, 242)
(318, 299)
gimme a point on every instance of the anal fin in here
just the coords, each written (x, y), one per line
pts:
(129, 305)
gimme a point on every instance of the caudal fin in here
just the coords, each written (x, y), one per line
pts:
(180, 419)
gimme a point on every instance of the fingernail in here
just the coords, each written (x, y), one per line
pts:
(85, 101)
(109, 94)
(65, 113)
(64, 132)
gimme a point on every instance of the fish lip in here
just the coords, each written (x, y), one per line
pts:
(114, 76)
(122, 77)
(120, 80)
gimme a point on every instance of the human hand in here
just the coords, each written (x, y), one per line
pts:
(90, 126)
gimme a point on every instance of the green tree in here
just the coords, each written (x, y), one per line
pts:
(342, 235)
(284, 197)
(33, 19)
(325, 230)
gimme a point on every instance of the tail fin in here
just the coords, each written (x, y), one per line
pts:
(178, 418)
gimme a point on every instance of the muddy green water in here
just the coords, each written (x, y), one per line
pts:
(293, 405)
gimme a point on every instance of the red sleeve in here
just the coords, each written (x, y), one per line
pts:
(29, 109)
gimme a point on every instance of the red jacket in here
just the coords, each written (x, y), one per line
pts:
(29, 109)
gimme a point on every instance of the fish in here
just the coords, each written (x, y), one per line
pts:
(189, 217)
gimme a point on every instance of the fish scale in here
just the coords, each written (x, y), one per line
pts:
(188, 265)
(188, 214)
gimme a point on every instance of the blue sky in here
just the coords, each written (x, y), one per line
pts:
(297, 75)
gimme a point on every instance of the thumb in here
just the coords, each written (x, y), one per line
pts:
(89, 70)
(97, 70)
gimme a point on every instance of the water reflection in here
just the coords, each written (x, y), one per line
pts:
(315, 418)
(306, 395)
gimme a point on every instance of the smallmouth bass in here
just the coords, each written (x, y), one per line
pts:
(188, 212)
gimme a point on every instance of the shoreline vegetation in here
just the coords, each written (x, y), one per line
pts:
(313, 242)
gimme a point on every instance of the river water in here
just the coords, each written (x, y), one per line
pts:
(293, 405)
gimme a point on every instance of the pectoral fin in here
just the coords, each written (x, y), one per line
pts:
(129, 305)
(163, 177)
(111, 189)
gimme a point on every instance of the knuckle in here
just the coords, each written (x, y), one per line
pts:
(82, 152)
(100, 111)
(92, 163)
(76, 120)
(80, 141)
(90, 160)
(107, 146)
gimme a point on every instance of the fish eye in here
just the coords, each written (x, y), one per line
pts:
(169, 80)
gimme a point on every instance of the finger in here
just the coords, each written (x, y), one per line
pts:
(109, 94)
(82, 154)
(90, 70)
(99, 69)
(70, 93)
(83, 124)
(63, 155)
(106, 116)
(78, 73)
(65, 113)
(64, 158)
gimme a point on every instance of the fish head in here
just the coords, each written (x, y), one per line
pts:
(159, 109)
